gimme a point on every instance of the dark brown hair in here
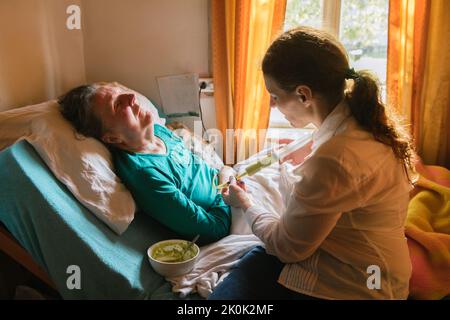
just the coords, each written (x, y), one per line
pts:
(76, 107)
(311, 57)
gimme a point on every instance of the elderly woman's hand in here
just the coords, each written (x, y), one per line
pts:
(236, 195)
(225, 174)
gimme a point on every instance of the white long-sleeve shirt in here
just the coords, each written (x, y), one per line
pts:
(345, 218)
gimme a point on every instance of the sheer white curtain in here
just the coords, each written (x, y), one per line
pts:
(39, 57)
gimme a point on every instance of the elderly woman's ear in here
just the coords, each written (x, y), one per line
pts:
(110, 138)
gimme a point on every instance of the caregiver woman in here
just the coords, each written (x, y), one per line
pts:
(342, 235)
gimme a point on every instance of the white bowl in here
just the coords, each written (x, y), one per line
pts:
(172, 269)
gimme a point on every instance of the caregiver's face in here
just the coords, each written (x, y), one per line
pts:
(124, 121)
(289, 104)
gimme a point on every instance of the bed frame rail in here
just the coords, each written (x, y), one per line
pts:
(10, 246)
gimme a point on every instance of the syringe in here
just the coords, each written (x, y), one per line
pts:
(272, 157)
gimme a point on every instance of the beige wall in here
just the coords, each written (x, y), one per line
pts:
(39, 57)
(135, 41)
(130, 41)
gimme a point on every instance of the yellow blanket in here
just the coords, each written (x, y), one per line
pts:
(428, 233)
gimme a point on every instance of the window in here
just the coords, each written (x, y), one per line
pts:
(362, 28)
(304, 12)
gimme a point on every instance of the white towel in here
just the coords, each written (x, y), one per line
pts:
(213, 264)
(270, 188)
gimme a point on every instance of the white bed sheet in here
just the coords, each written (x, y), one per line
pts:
(270, 188)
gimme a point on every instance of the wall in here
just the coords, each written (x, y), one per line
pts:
(39, 57)
(135, 41)
(130, 41)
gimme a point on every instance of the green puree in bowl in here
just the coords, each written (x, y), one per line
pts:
(173, 252)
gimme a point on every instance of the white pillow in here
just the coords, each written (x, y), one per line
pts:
(84, 165)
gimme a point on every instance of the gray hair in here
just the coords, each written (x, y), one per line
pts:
(76, 107)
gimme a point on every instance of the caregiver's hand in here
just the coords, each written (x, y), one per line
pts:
(236, 196)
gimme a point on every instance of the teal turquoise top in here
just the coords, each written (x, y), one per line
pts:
(176, 189)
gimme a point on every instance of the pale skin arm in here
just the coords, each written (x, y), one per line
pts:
(298, 156)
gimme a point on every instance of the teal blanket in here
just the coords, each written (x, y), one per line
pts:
(59, 232)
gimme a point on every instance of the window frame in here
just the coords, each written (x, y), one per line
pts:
(331, 16)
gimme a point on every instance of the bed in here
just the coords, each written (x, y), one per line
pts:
(40, 215)
(47, 230)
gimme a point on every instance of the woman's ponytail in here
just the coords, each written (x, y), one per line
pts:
(364, 100)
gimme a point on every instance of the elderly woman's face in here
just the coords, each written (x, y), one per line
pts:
(125, 123)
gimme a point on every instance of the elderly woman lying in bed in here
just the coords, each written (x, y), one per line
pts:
(166, 180)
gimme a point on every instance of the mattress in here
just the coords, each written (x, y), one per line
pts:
(63, 236)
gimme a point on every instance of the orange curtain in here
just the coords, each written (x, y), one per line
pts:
(418, 73)
(408, 31)
(241, 31)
